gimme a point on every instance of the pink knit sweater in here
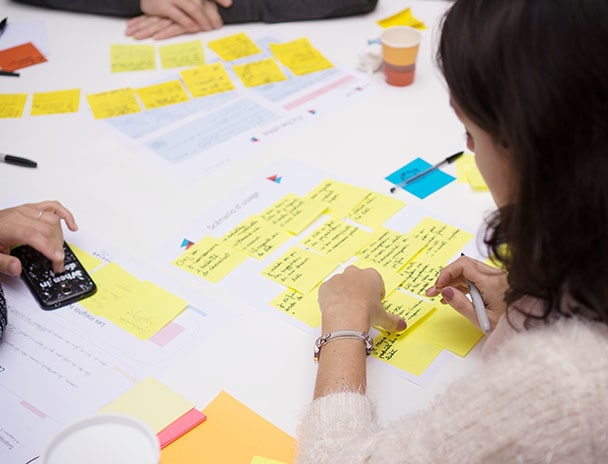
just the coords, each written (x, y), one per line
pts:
(539, 396)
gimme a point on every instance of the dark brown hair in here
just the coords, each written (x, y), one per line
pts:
(534, 75)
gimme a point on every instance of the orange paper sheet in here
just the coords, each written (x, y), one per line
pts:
(20, 56)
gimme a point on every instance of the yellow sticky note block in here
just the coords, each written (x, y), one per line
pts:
(263, 460)
(403, 18)
(256, 237)
(210, 259)
(475, 179)
(234, 47)
(113, 282)
(392, 280)
(442, 240)
(449, 329)
(167, 93)
(390, 249)
(340, 197)
(259, 72)
(337, 239)
(152, 402)
(232, 433)
(132, 57)
(144, 311)
(207, 79)
(89, 261)
(305, 308)
(408, 351)
(419, 274)
(300, 56)
(375, 209)
(409, 307)
(113, 103)
(300, 269)
(294, 213)
(62, 101)
(468, 172)
(12, 105)
(181, 54)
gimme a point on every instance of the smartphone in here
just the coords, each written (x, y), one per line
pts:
(54, 290)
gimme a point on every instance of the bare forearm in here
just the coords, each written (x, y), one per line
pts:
(341, 368)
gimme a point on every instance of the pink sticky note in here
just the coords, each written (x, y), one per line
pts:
(180, 426)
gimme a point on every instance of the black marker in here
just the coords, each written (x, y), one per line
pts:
(409, 180)
(18, 161)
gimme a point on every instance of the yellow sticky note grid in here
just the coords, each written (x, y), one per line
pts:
(304, 308)
(167, 404)
(234, 47)
(167, 93)
(210, 259)
(256, 237)
(62, 101)
(300, 56)
(132, 57)
(340, 197)
(403, 18)
(337, 239)
(375, 209)
(207, 80)
(12, 105)
(182, 54)
(300, 269)
(113, 103)
(294, 213)
(259, 72)
(391, 249)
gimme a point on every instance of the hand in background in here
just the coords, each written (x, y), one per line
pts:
(37, 225)
(452, 286)
(168, 18)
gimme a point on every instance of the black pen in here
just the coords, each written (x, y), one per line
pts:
(18, 161)
(409, 180)
(3, 26)
(8, 73)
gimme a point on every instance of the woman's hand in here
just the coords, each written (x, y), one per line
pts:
(353, 300)
(452, 286)
(37, 225)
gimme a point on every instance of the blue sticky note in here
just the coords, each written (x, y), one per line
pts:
(426, 184)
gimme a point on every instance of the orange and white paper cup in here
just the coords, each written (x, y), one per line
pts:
(399, 52)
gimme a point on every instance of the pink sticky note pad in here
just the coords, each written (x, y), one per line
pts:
(20, 56)
(180, 426)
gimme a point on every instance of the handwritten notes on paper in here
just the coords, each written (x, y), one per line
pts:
(304, 308)
(300, 56)
(234, 47)
(12, 105)
(337, 239)
(374, 210)
(182, 54)
(20, 56)
(58, 102)
(340, 197)
(256, 237)
(114, 103)
(294, 213)
(391, 250)
(167, 93)
(207, 80)
(132, 57)
(260, 72)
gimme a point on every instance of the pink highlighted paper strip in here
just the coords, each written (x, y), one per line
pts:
(180, 426)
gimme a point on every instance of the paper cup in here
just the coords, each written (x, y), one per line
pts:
(103, 439)
(399, 52)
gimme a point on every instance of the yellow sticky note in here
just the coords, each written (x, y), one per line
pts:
(409, 307)
(256, 237)
(12, 105)
(263, 460)
(375, 209)
(300, 57)
(113, 282)
(207, 79)
(113, 103)
(167, 93)
(305, 308)
(62, 101)
(420, 274)
(390, 249)
(181, 54)
(234, 47)
(294, 213)
(468, 172)
(403, 18)
(300, 269)
(259, 72)
(132, 57)
(449, 329)
(337, 239)
(89, 261)
(340, 197)
(152, 402)
(210, 259)
(232, 433)
(443, 241)
(144, 311)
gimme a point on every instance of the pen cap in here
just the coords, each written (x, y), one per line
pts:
(103, 439)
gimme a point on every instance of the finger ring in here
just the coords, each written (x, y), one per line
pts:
(40, 213)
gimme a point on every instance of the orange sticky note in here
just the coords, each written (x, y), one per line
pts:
(20, 56)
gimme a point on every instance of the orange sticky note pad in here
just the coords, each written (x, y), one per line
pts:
(20, 56)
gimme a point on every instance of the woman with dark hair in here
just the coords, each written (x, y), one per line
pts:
(527, 78)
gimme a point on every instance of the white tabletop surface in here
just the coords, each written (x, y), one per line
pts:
(110, 190)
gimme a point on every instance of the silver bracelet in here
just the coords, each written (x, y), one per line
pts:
(338, 334)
